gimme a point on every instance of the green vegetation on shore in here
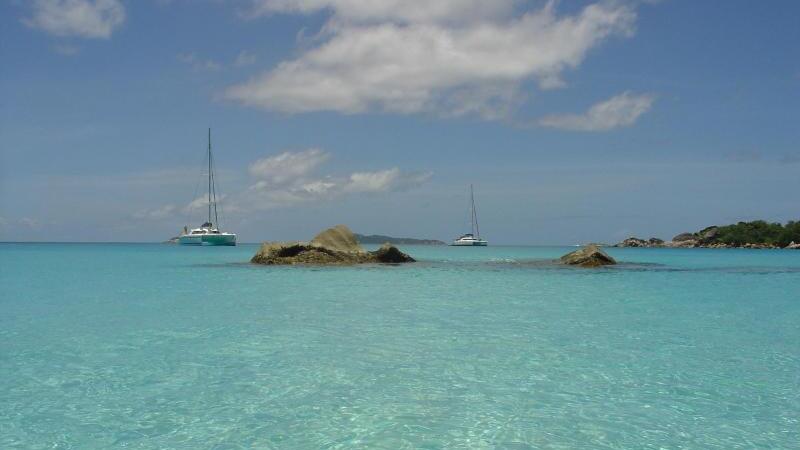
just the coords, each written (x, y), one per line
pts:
(757, 232)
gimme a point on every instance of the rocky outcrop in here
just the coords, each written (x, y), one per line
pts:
(759, 246)
(288, 253)
(708, 235)
(704, 238)
(761, 234)
(589, 256)
(685, 237)
(334, 246)
(389, 254)
(684, 240)
(632, 242)
(338, 238)
(636, 242)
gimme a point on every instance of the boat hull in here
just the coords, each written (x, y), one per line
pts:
(470, 244)
(208, 239)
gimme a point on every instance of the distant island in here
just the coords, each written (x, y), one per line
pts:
(380, 239)
(755, 234)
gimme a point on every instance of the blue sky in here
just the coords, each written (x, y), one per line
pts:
(576, 121)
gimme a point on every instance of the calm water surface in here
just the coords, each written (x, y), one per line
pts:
(159, 347)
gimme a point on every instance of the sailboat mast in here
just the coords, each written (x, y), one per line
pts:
(471, 211)
(209, 175)
(474, 213)
(214, 191)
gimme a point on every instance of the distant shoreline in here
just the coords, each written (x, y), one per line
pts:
(753, 235)
(381, 239)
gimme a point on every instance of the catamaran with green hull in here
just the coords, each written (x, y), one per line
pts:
(208, 233)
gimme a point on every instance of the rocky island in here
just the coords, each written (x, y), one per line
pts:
(334, 246)
(757, 234)
(588, 256)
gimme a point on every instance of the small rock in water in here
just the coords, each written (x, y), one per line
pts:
(589, 256)
(388, 253)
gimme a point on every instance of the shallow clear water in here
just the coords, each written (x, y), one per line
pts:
(159, 346)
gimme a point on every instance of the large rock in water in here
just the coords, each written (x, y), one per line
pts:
(589, 256)
(338, 238)
(334, 246)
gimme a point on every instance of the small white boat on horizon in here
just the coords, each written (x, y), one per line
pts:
(208, 234)
(472, 239)
(469, 240)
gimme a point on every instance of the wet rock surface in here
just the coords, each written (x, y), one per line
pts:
(589, 256)
(334, 246)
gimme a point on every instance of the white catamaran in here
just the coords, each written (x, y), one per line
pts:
(471, 239)
(208, 234)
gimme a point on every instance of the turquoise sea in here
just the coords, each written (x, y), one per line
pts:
(148, 346)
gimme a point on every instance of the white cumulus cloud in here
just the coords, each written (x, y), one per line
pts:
(290, 178)
(288, 165)
(449, 57)
(80, 18)
(618, 111)
(384, 180)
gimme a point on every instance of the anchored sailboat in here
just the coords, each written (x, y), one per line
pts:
(472, 239)
(208, 233)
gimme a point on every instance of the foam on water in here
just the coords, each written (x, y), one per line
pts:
(157, 346)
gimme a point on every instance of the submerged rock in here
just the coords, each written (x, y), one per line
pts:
(589, 256)
(334, 246)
